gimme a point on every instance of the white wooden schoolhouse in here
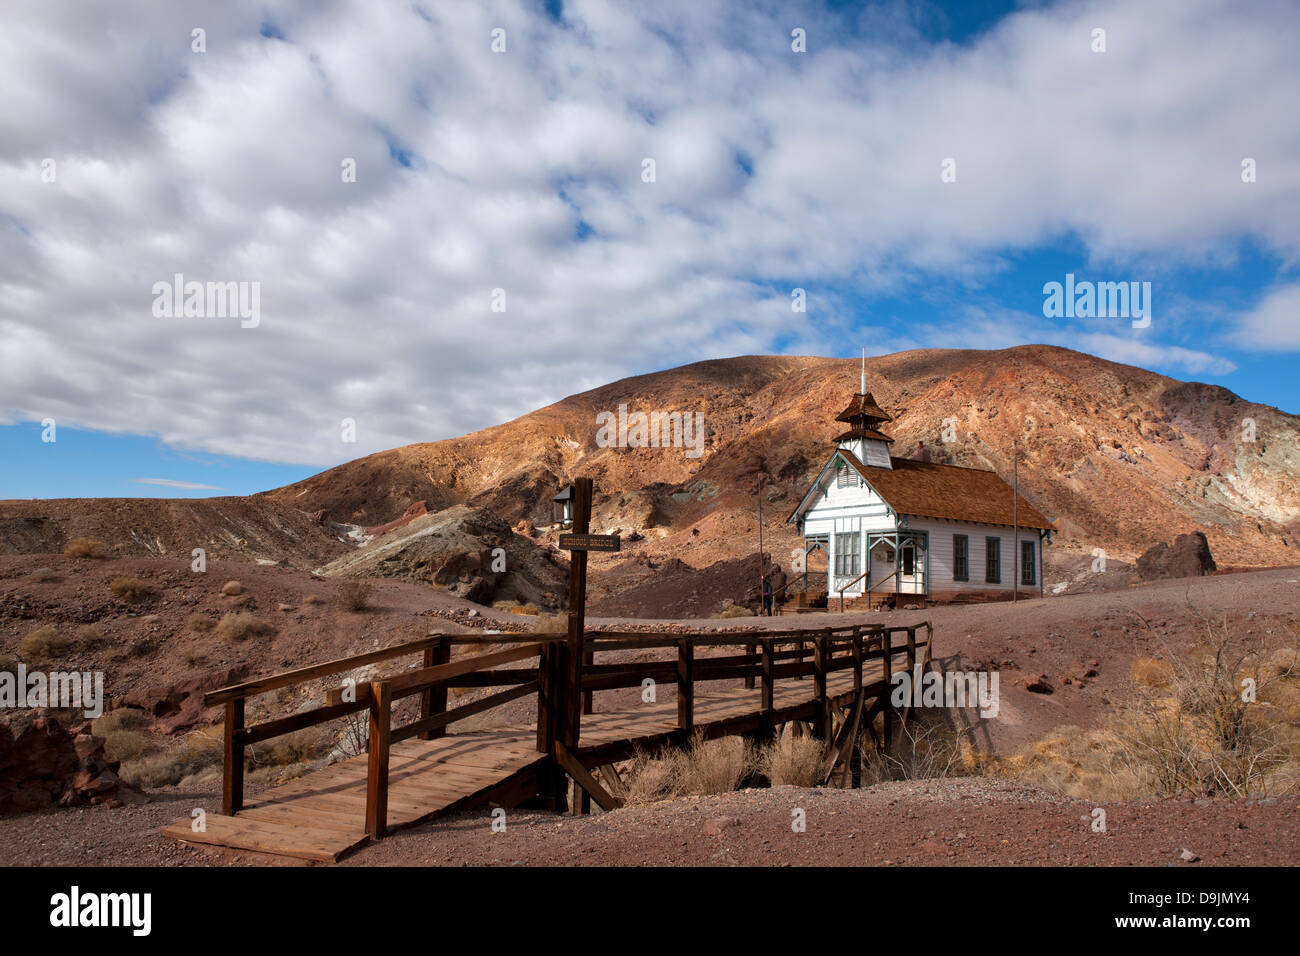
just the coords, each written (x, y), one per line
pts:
(899, 531)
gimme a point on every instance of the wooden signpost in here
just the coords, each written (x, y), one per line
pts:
(590, 542)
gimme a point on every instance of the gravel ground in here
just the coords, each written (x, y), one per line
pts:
(957, 822)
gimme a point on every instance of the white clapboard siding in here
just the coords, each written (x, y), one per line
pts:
(940, 534)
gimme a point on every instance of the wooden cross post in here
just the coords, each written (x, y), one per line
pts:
(577, 616)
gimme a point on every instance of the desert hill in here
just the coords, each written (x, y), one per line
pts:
(1119, 457)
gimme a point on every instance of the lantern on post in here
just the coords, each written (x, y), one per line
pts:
(562, 507)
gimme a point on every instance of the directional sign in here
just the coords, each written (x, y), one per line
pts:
(590, 542)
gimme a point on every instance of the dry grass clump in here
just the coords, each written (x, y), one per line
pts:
(85, 548)
(794, 761)
(125, 744)
(199, 753)
(313, 600)
(44, 576)
(232, 589)
(43, 644)
(355, 595)
(129, 588)
(530, 608)
(548, 623)
(241, 625)
(200, 623)
(1151, 672)
(8, 663)
(703, 767)
(1192, 729)
(123, 718)
(737, 610)
(301, 746)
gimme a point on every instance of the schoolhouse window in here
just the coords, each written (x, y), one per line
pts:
(846, 477)
(1027, 563)
(960, 557)
(847, 556)
(993, 560)
(909, 560)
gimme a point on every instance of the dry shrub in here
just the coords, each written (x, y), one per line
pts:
(301, 746)
(232, 589)
(529, 608)
(85, 548)
(355, 595)
(1192, 733)
(8, 664)
(89, 636)
(929, 746)
(313, 600)
(241, 625)
(129, 588)
(44, 576)
(703, 767)
(43, 644)
(125, 744)
(737, 610)
(123, 718)
(794, 761)
(200, 752)
(550, 623)
(200, 623)
(1151, 672)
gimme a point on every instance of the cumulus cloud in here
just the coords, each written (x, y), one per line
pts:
(1274, 324)
(522, 171)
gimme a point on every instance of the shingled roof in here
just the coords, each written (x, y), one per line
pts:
(863, 406)
(856, 432)
(949, 492)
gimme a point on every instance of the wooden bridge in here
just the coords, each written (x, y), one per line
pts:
(833, 682)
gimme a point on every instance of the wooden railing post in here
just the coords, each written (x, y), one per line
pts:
(821, 655)
(232, 774)
(911, 650)
(377, 769)
(434, 699)
(686, 686)
(750, 650)
(857, 661)
(768, 703)
(546, 699)
(887, 647)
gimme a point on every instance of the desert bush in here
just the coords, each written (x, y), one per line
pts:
(1188, 731)
(123, 718)
(200, 623)
(129, 588)
(702, 767)
(794, 761)
(1151, 672)
(8, 663)
(550, 623)
(241, 625)
(530, 609)
(43, 644)
(44, 576)
(298, 747)
(313, 599)
(125, 744)
(355, 595)
(198, 753)
(232, 589)
(737, 610)
(85, 548)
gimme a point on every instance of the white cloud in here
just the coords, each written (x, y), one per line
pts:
(1274, 324)
(375, 295)
(172, 483)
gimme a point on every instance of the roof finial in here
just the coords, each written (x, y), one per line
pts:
(863, 389)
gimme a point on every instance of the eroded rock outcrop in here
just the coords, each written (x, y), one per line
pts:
(456, 550)
(1188, 557)
(43, 765)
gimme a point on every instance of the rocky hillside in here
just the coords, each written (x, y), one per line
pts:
(1119, 457)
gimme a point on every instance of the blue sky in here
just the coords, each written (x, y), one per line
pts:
(516, 176)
